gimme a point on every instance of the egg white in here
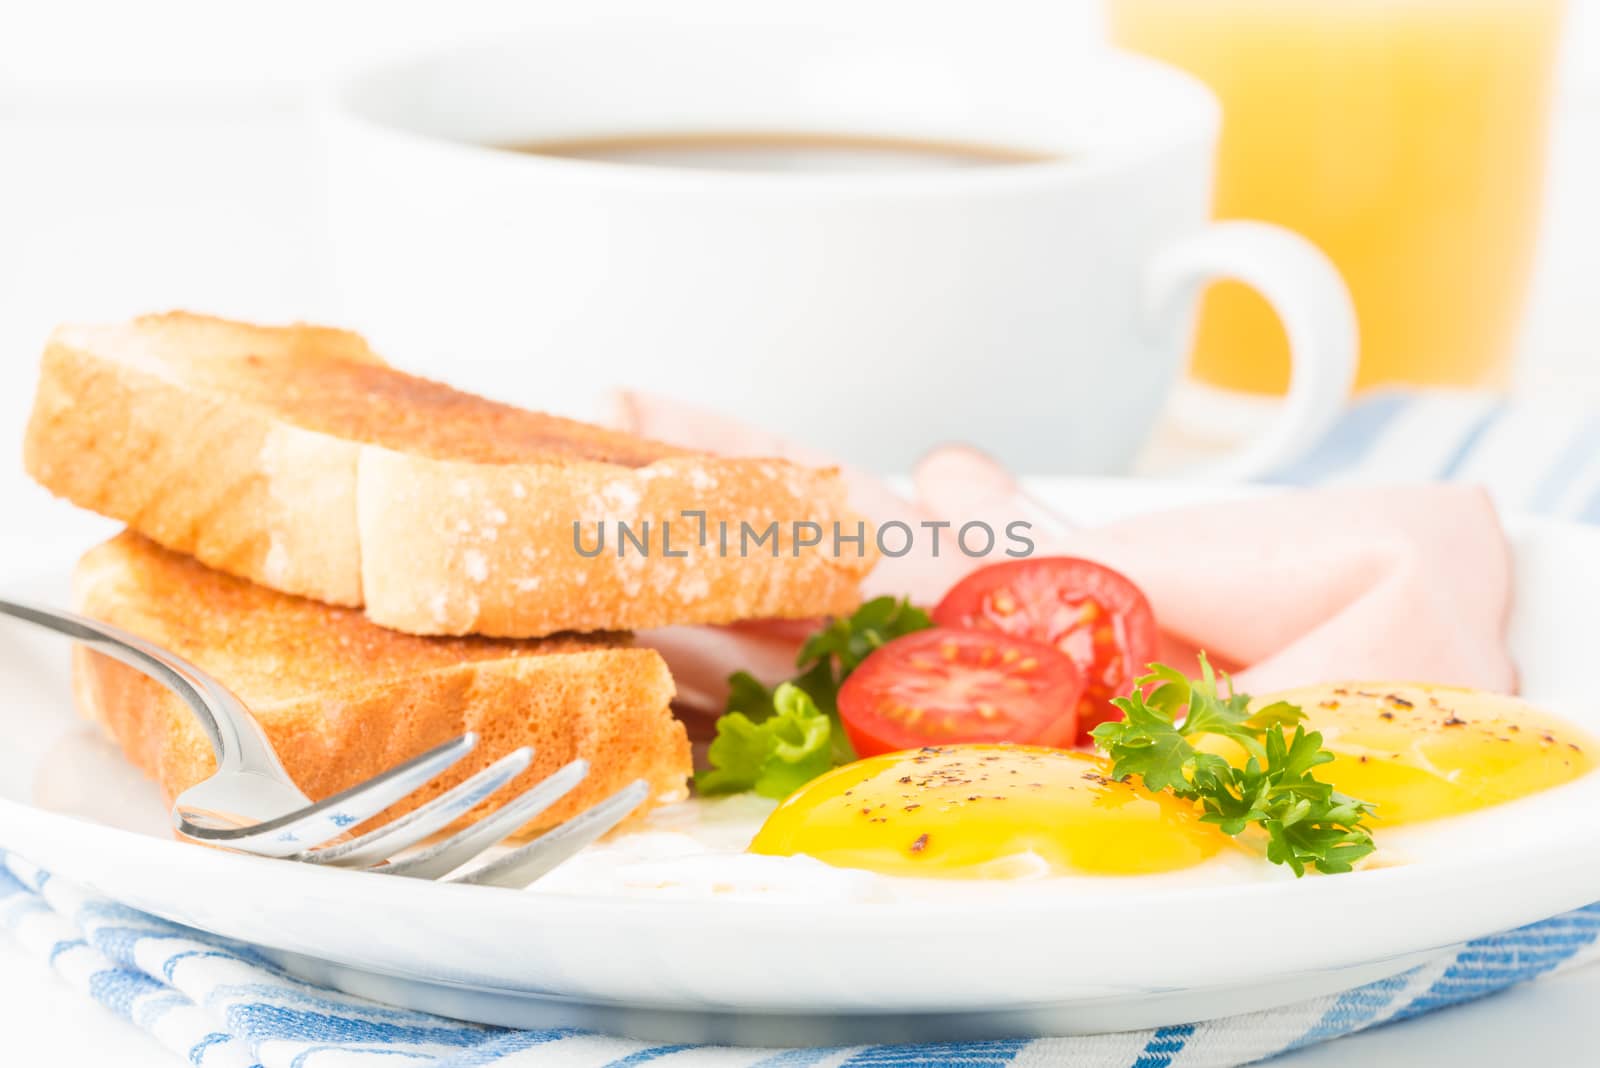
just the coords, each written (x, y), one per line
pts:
(695, 849)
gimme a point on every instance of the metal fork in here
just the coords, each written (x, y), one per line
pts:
(251, 805)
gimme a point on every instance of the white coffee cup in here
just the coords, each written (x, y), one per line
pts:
(1041, 311)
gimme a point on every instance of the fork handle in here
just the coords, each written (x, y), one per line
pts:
(236, 737)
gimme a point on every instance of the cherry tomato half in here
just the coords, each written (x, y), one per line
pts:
(1095, 615)
(941, 686)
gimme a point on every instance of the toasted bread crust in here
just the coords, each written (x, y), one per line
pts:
(293, 457)
(453, 549)
(219, 481)
(342, 699)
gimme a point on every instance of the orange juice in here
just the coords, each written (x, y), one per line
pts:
(1405, 137)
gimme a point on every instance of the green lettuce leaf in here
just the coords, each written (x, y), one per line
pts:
(774, 752)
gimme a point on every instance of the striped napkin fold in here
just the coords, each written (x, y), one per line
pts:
(1541, 458)
(219, 1004)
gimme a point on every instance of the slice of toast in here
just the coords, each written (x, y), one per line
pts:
(343, 699)
(293, 456)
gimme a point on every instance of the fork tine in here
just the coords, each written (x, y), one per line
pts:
(385, 841)
(333, 816)
(521, 868)
(447, 856)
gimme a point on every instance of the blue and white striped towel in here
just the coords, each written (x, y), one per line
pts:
(1539, 458)
(218, 1004)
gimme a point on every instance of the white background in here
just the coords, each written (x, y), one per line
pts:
(153, 155)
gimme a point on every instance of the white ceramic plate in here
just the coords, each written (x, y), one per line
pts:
(764, 972)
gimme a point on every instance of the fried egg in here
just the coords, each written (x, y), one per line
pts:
(958, 822)
(987, 811)
(1419, 752)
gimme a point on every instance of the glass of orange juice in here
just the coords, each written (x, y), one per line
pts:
(1405, 137)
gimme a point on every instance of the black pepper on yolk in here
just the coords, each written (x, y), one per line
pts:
(1419, 752)
(971, 811)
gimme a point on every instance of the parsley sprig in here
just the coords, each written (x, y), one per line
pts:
(1307, 823)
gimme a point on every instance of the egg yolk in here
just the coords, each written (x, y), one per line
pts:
(985, 811)
(1419, 752)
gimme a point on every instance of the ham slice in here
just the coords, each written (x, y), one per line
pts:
(702, 657)
(1292, 588)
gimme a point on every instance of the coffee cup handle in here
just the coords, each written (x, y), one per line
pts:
(1310, 299)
